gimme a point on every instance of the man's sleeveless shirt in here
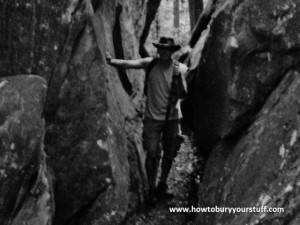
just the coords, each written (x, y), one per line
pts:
(158, 91)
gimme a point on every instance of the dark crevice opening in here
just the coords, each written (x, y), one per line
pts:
(202, 22)
(76, 218)
(152, 7)
(117, 42)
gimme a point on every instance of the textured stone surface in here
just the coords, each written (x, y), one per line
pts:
(245, 51)
(38, 206)
(247, 105)
(262, 168)
(127, 33)
(41, 28)
(22, 134)
(93, 138)
(93, 150)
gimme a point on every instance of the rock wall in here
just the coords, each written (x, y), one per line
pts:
(26, 194)
(262, 168)
(92, 110)
(244, 54)
(246, 91)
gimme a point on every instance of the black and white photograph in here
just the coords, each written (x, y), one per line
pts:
(149, 112)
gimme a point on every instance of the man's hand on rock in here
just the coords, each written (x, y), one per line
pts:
(108, 57)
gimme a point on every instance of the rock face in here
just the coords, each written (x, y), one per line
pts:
(245, 51)
(262, 168)
(25, 190)
(92, 110)
(41, 29)
(247, 110)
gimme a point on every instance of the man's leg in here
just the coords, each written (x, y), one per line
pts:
(170, 148)
(151, 140)
(165, 169)
(151, 169)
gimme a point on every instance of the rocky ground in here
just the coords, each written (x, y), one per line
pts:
(183, 179)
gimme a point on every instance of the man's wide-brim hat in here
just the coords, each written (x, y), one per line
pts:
(166, 42)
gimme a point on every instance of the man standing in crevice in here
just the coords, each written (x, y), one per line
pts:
(164, 86)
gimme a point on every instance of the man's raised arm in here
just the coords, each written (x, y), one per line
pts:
(126, 63)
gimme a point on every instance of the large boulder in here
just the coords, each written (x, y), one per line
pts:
(34, 35)
(94, 140)
(93, 111)
(262, 168)
(25, 182)
(245, 51)
(246, 91)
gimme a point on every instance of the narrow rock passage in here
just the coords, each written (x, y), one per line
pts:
(183, 181)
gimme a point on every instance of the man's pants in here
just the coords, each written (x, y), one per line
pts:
(153, 134)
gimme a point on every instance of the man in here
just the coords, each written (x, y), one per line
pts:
(158, 91)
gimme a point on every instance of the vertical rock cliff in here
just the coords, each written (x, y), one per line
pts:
(26, 183)
(246, 118)
(92, 111)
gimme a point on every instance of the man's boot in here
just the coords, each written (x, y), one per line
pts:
(162, 188)
(151, 170)
(163, 191)
(151, 198)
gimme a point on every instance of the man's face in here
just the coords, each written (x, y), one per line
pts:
(165, 53)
